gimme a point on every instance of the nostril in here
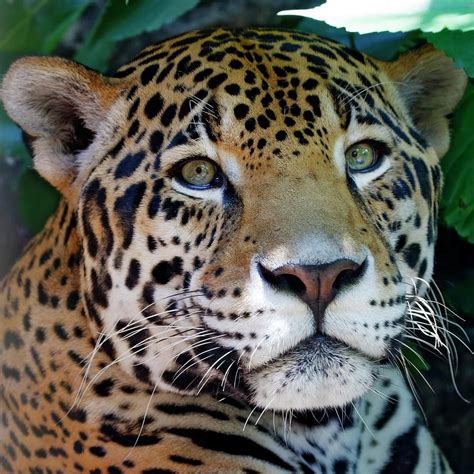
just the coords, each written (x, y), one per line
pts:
(266, 274)
(344, 278)
(283, 281)
(349, 277)
(293, 283)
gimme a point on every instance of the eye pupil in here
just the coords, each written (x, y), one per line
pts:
(198, 173)
(360, 157)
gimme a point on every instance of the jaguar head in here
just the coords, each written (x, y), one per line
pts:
(252, 205)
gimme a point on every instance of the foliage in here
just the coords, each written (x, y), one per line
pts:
(92, 31)
(38, 27)
(119, 22)
(369, 16)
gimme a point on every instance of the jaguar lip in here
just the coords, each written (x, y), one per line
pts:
(321, 342)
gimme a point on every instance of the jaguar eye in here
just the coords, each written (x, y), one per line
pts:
(199, 173)
(361, 157)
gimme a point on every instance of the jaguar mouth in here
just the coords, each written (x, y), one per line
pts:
(319, 372)
(319, 347)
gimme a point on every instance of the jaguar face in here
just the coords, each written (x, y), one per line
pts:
(253, 208)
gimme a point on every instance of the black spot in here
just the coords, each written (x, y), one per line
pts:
(241, 111)
(104, 388)
(168, 115)
(133, 108)
(401, 242)
(232, 89)
(236, 64)
(404, 454)
(133, 128)
(390, 408)
(128, 440)
(340, 466)
(129, 164)
(164, 73)
(133, 274)
(263, 121)
(124, 72)
(289, 47)
(60, 331)
(40, 335)
(126, 207)
(313, 100)
(98, 451)
(204, 74)
(411, 254)
(12, 339)
(72, 300)
(171, 208)
(423, 267)
(142, 373)
(310, 84)
(153, 106)
(156, 141)
(250, 124)
(164, 271)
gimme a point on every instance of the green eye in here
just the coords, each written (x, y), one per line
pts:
(199, 173)
(360, 157)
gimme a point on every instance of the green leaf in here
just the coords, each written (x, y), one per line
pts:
(457, 203)
(460, 296)
(323, 29)
(414, 360)
(369, 16)
(120, 21)
(36, 27)
(457, 45)
(383, 45)
(36, 200)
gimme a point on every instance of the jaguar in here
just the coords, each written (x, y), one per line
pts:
(225, 285)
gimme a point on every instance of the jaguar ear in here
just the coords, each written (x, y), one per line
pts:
(59, 104)
(431, 86)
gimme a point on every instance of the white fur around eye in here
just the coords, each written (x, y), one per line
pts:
(365, 178)
(211, 194)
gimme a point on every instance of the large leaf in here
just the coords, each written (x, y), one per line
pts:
(383, 46)
(457, 45)
(457, 203)
(120, 21)
(460, 296)
(36, 200)
(29, 26)
(369, 16)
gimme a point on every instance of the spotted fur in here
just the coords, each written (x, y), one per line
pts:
(146, 329)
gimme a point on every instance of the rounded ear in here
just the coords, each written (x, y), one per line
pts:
(59, 104)
(431, 86)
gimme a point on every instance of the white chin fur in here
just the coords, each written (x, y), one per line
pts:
(317, 374)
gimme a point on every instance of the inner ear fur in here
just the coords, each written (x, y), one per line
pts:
(431, 86)
(59, 104)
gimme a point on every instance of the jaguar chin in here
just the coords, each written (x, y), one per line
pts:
(318, 373)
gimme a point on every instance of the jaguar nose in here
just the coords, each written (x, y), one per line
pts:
(316, 285)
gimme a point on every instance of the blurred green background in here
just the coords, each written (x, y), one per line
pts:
(105, 34)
